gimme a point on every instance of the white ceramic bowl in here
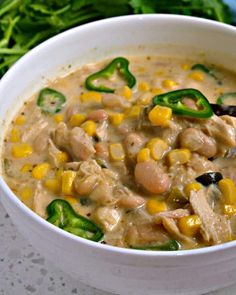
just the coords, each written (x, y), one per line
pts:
(122, 271)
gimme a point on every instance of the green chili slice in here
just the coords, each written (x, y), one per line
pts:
(122, 65)
(62, 215)
(171, 245)
(225, 96)
(174, 99)
(50, 101)
(203, 68)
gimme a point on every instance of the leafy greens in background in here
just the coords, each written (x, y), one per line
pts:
(26, 23)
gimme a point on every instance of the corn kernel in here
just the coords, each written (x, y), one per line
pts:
(169, 84)
(154, 206)
(58, 118)
(71, 200)
(62, 157)
(157, 91)
(58, 174)
(21, 150)
(197, 76)
(185, 67)
(77, 119)
(15, 135)
(20, 120)
(116, 119)
(160, 116)
(189, 225)
(89, 127)
(41, 170)
(53, 185)
(178, 156)
(229, 210)
(26, 193)
(160, 73)
(116, 152)
(195, 186)
(143, 86)
(228, 189)
(143, 155)
(133, 111)
(91, 96)
(26, 168)
(157, 147)
(126, 92)
(68, 178)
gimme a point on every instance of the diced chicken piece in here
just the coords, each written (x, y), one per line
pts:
(102, 194)
(102, 131)
(98, 116)
(40, 143)
(41, 200)
(127, 199)
(133, 143)
(107, 218)
(151, 176)
(114, 101)
(223, 133)
(175, 214)
(201, 165)
(227, 166)
(81, 144)
(61, 136)
(52, 154)
(197, 141)
(215, 227)
(172, 228)
(34, 130)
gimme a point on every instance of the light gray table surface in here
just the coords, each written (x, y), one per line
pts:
(23, 271)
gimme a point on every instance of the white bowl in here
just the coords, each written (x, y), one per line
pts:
(118, 270)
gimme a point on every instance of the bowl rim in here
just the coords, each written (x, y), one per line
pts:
(48, 226)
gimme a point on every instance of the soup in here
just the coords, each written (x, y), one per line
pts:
(130, 152)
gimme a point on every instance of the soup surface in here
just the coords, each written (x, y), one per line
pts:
(102, 159)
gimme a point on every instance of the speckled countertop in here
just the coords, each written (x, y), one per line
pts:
(23, 271)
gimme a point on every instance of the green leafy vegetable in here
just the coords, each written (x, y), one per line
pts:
(26, 23)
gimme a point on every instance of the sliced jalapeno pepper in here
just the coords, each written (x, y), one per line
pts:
(202, 68)
(50, 101)
(225, 96)
(62, 215)
(171, 245)
(174, 99)
(119, 63)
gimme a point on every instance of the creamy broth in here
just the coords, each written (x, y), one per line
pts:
(133, 177)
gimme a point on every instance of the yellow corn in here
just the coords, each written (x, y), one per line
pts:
(160, 73)
(197, 76)
(26, 193)
(21, 150)
(53, 185)
(58, 174)
(229, 210)
(71, 200)
(154, 206)
(15, 135)
(126, 92)
(160, 116)
(228, 189)
(116, 152)
(20, 120)
(77, 119)
(189, 225)
(157, 147)
(89, 127)
(62, 157)
(178, 156)
(195, 186)
(58, 118)
(185, 67)
(91, 96)
(41, 170)
(157, 91)
(67, 182)
(143, 155)
(116, 119)
(143, 86)
(169, 84)
(26, 168)
(133, 111)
